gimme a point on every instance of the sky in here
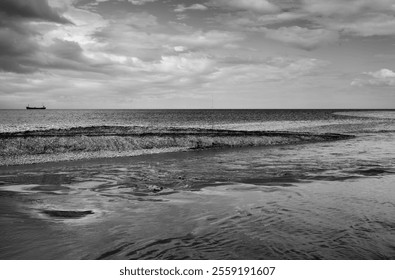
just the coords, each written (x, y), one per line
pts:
(151, 54)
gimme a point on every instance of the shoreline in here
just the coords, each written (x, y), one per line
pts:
(56, 145)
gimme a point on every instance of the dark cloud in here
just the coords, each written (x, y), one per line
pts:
(30, 9)
(15, 44)
(23, 54)
(19, 41)
(15, 48)
(62, 55)
(66, 55)
(11, 65)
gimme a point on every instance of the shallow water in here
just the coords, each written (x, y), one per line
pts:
(329, 200)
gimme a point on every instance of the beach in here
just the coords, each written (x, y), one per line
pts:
(322, 189)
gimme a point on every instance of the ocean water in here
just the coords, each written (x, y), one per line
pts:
(21, 120)
(324, 200)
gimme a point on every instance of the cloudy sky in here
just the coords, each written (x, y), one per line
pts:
(184, 53)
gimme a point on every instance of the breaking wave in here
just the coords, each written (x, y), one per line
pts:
(104, 141)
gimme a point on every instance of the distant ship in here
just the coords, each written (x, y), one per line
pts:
(35, 108)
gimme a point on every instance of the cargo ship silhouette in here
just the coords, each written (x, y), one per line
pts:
(35, 108)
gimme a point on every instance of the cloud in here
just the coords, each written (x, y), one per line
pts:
(187, 64)
(307, 38)
(179, 48)
(174, 76)
(32, 10)
(65, 49)
(380, 78)
(347, 8)
(20, 40)
(140, 2)
(310, 24)
(363, 26)
(209, 39)
(261, 6)
(150, 43)
(141, 20)
(272, 69)
(15, 49)
(303, 38)
(29, 45)
(248, 21)
(354, 17)
(182, 8)
(382, 74)
(61, 54)
(135, 35)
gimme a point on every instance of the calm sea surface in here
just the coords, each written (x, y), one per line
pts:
(332, 200)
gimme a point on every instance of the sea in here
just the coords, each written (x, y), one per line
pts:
(322, 200)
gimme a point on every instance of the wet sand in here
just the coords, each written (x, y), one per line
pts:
(223, 221)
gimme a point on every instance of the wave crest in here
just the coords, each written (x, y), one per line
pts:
(127, 139)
